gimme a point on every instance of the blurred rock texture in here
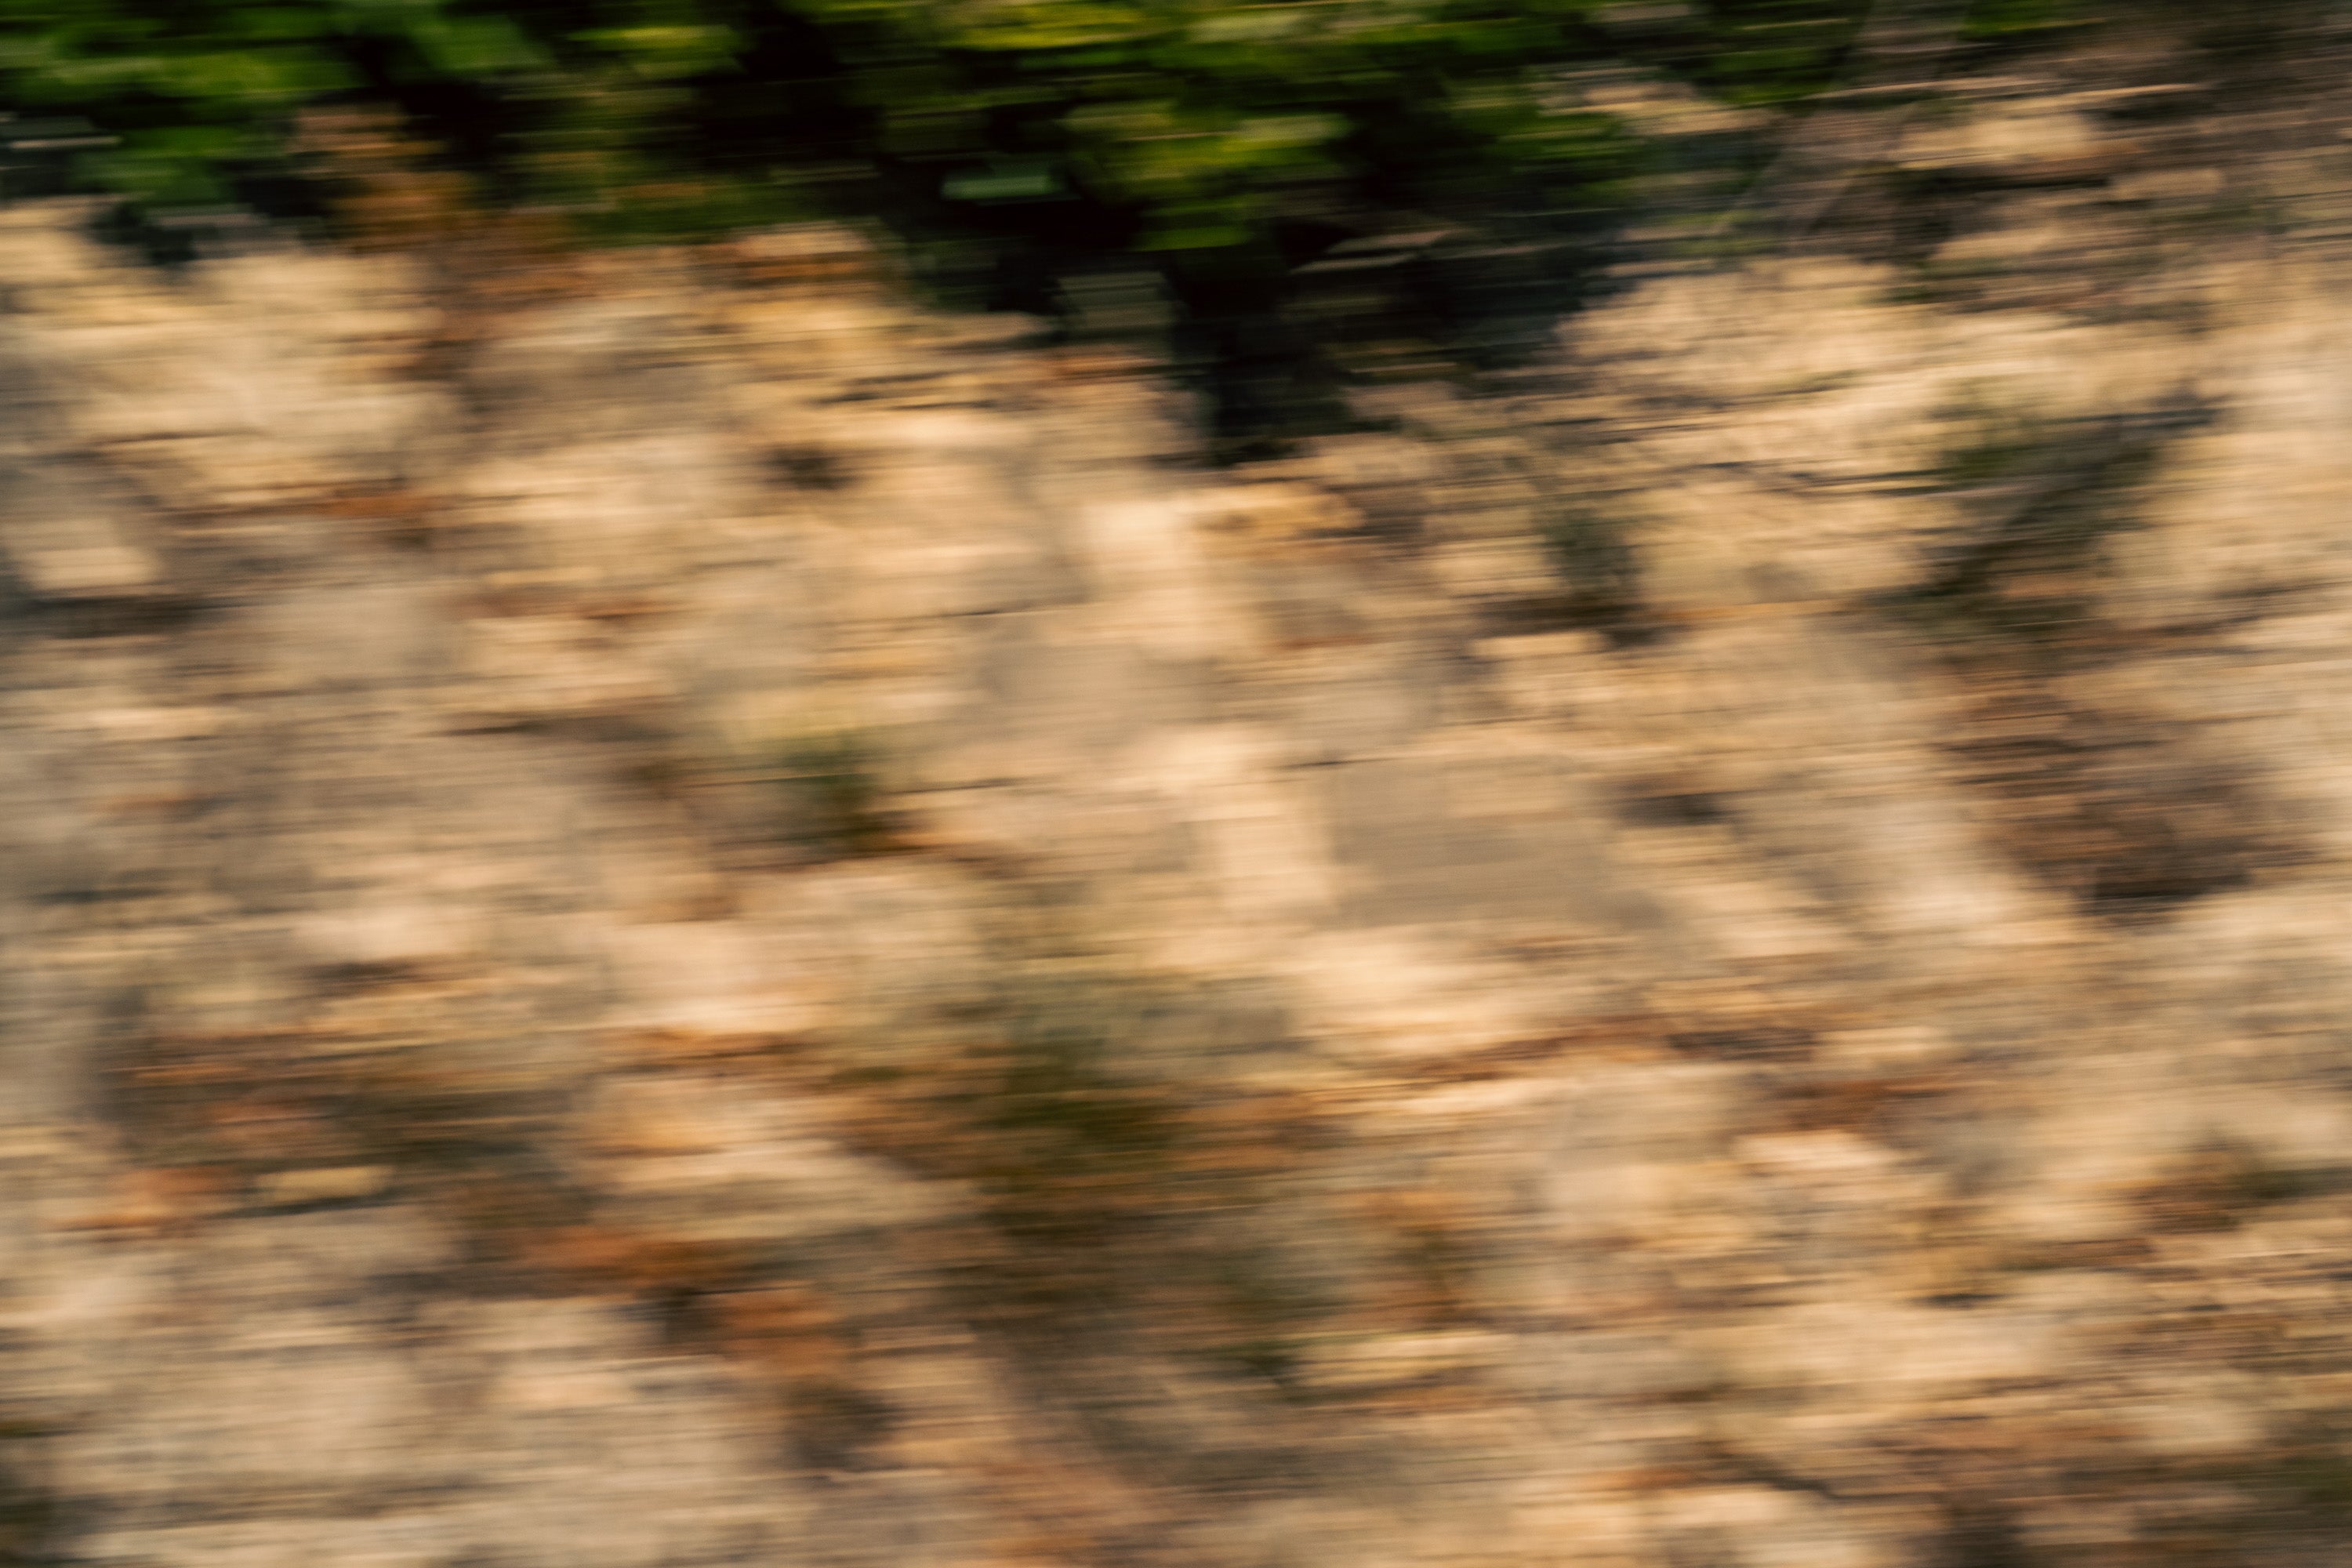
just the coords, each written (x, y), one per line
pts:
(664, 912)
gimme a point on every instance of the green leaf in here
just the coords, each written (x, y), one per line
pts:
(1007, 180)
(671, 52)
(476, 46)
(1053, 24)
(174, 168)
(274, 24)
(1199, 225)
(253, 77)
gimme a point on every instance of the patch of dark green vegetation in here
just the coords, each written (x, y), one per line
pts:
(2001, 445)
(1597, 577)
(833, 800)
(1131, 1204)
(2045, 491)
(2228, 1184)
(1982, 1534)
(1592, 554)
(1013, 146)
(33, 1518)
(2115, 811)
(2310, 1478)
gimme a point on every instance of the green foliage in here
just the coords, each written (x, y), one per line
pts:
(1070, 1142)
(833, 798)
(1589, 550)
(1203, 116)
(2314, 1477)
(1773, 51)
(1115, 1165)
(1999, 442)
(31, 1522)
(1009, 140)
(1592, 555)
(2010, 19)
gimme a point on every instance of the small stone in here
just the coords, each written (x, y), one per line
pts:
(806, 253)
(155, 1199)
(1390, 1359)
(386, 937)
(2165, 186)
(325, 1184)
(89, 570)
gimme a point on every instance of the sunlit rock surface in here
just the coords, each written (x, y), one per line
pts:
(704, 917)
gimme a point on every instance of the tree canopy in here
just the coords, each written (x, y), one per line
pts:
(1222, 143)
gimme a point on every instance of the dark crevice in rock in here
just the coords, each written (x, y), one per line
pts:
(33, 1521)
(2106, 809)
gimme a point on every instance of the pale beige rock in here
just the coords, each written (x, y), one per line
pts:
(1604, 1057)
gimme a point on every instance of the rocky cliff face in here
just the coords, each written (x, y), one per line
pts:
(664, 911)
